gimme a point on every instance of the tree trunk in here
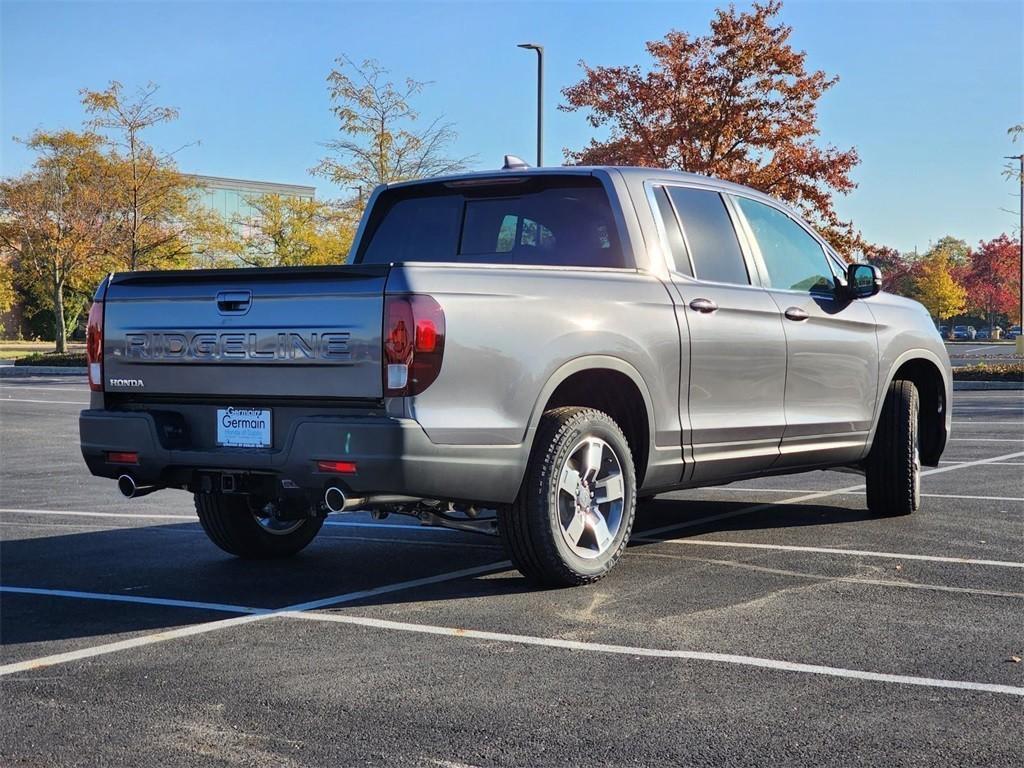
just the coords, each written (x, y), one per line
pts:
(60, 328)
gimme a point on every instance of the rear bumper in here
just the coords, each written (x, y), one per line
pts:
(393, 456)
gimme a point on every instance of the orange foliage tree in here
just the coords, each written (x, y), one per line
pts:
(737, 103)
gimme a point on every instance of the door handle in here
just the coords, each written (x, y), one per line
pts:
(796, 314)
(706, 306)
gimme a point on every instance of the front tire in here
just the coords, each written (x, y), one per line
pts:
(893, 466)
(233, 526)
(572, 518)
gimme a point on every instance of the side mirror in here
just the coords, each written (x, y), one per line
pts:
(863, 280)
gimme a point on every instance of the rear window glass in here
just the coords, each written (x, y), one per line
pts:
(709, 232)
(555, 221)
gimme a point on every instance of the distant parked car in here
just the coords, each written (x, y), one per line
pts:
(944, 331)
(963, 332)
(984, 333)
(1014, 332)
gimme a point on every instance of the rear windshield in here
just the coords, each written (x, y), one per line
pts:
(550, 221)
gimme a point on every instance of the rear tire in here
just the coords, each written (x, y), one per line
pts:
(235, 528)
(893, 466)
(572, 518)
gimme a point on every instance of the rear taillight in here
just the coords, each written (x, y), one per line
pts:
(413, 343)
(94, 346)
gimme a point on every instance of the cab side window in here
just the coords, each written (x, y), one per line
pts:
(674, 235)
(708, 230)
(795, 261)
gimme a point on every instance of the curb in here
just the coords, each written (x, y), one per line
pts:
(41, 370)
(969, 385)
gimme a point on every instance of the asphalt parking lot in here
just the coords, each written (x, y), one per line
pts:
(765, 622)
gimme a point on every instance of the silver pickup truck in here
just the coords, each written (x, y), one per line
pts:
(524, 352)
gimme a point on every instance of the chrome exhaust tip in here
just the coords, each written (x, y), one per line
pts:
(334, 499)
(128, 488)
(126, 485)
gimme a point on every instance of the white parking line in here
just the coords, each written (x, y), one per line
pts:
(69, 389)
(79, 513)
(994, 463)
(123, 645)
(986, 439)
(626, 650)
(213, 626)
(504, 565)
(861, 492)
(815, 496)
(139, 599)
(56, 402)
(833, 551)
(1003, 423)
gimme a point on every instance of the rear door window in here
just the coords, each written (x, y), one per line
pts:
(707, 227)
(552, 221)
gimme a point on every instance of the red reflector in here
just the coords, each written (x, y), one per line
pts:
(337, 467)
(122, 457)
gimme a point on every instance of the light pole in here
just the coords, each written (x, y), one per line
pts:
(540, 98)
(1020, 159)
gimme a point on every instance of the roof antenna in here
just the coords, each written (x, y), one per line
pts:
(514, 163)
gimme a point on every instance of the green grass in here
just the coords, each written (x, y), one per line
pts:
(12, 350)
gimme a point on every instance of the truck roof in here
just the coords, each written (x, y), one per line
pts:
(630, 172)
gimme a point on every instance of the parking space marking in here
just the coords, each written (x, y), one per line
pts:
(833, 551)
(79, 513)
(626, 650)
(139, 599)
(124, 645)
(213, 626)
(738, 489)
(56, 402)
(1005, 422)
(69, 389)
(832, 579)
(986, 439)
(994, 463)
(815, 496)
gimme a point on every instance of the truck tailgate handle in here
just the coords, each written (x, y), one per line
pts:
(234, 302)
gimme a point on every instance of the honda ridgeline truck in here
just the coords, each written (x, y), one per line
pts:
(523, 352)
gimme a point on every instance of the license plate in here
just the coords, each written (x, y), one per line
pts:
(243, 427)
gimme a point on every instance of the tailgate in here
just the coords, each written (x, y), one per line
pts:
(306, 332)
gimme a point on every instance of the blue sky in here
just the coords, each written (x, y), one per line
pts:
(926, 91)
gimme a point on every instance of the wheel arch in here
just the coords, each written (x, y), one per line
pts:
(609, 384)
(930, 375)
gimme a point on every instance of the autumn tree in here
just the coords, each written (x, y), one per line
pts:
(54, 221)
(898, 269)
(381, 136)
(937, 288)
(153, 203)
(737, 103)
(957, 251)
(992, 278)
(292, 231)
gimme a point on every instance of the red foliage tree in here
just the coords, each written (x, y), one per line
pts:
(992, 278)
(737, 103)
(899, 271)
